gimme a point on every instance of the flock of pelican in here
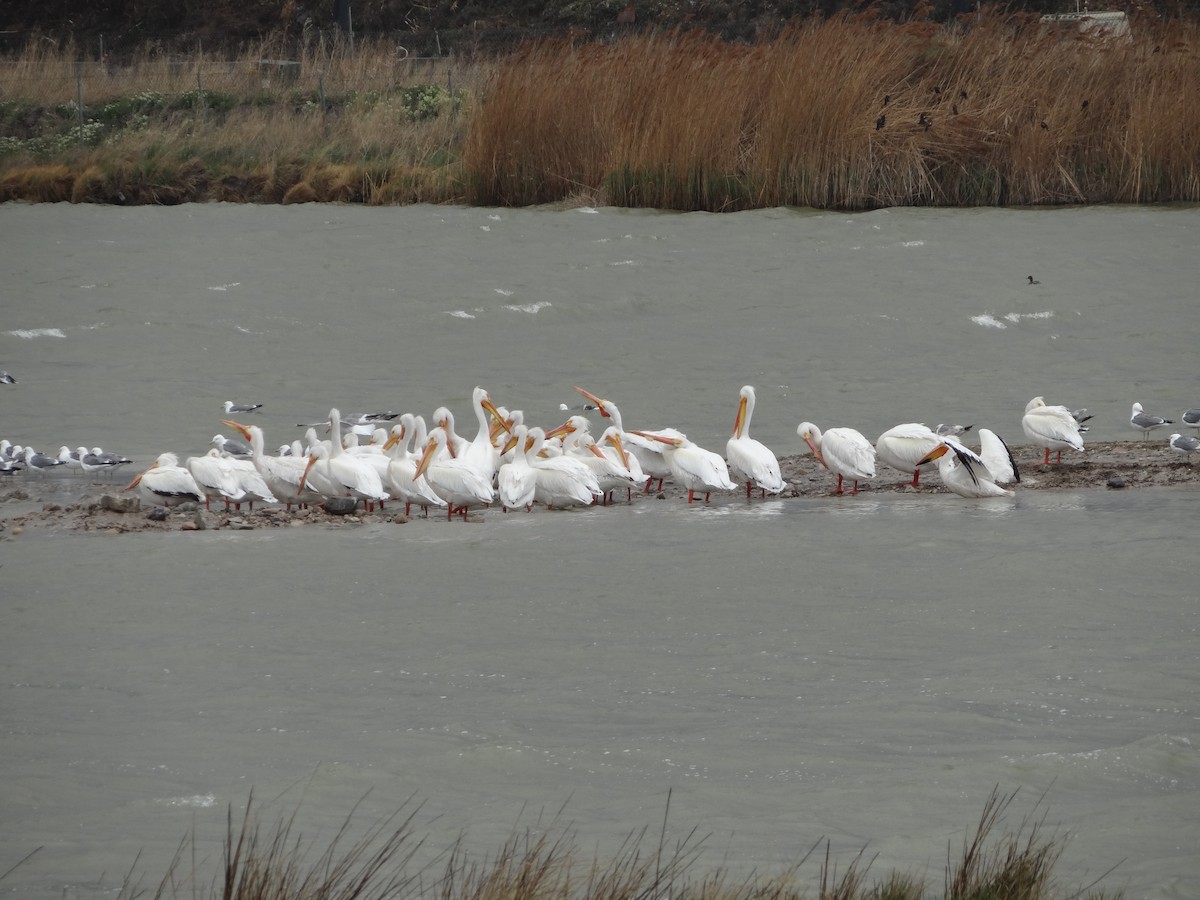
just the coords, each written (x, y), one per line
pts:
(516, 465)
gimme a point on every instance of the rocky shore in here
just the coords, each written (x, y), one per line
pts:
(70, 503)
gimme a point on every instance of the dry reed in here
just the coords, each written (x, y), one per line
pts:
(848, 113)
(851, 113)
(388, 859)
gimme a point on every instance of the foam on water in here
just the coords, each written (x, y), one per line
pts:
(30, 333)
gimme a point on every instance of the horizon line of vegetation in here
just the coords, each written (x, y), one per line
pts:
(850, 113)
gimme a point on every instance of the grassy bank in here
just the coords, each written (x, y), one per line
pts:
(388, 859)
(849, 113)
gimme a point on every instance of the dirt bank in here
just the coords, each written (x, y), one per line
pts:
(29, 502)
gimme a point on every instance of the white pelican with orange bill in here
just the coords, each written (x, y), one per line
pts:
(843, 451)
(692, 466)
(750, 460)
(166, 483)
(647, 450)
(963, 471)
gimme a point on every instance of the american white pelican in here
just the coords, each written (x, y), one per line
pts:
(352, 477)
(402, 480)
(215, 476)
(963, 471)
(40, 462)
(282, 474)
(1146, 423)
(1191, 418)
(516, 480)
(166, 483)
(481, 452)
(843, 451)
(692, 466)
(455, 443)
(455, 481)
(231, 407)
(561, 480)
(607, 459)
(1181, 444)
(903, 446)
(997, 457)
(649, 452)
(1051, 427)
(751, 461)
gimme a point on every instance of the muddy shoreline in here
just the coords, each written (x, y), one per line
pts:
(75, 504)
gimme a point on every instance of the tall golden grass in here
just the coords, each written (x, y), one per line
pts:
(849, 113)
(1019, 113)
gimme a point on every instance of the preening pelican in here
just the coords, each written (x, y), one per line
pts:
(341, 471)
(904, 446)
(1146, 423)
(963, 471)
(454, 480)
(517, 480)
(561, 480)
(647, 450)
(402, 479)
(692, 466)
(215, 477)
(997, 457)
(607, 459)
(1051, 427)
(843, 451)
(751, 461)
(166, 483)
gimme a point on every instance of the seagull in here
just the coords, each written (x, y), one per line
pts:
(1182, 444)
(235, 449)
(1144, 422)
(1191, 418)
(1080, 416)
(952, 430)
(40, 461)
(231, 407)
(5, 378)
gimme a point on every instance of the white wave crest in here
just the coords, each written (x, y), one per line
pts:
(531, 308)
(31, 333)
(988, 321)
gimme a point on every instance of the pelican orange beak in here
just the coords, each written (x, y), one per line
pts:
(672, 442)
(936, 453)
(740, 420)
(596, 401)
(242, 429)
(138, 478)
(564, 428)
(395, 438)
(312, 461)
(426, 459)
(491, 408)
(619, 445)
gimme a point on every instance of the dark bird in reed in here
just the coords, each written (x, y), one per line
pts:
(880, 122)
(962, 95)
(1085, 105)
(887, 98)
(924, 120)
(1044, 125)
(954, 108)
(935, 90)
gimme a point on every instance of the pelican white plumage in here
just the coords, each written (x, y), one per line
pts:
(516, 480)
(457, 482)
(215, 477)
(351, 477)
(963, 471)
(402, 479)
(1146, 423)
(843, 451)
(561, 480)
(997, 457)
(607, 458)
(903, 446)
(1051, 427)
(166, 483)
(750, 460)
(691, 466)
(648, 451)
(282, 474)
(480, 451)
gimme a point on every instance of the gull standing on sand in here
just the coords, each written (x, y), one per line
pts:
(1051, 427)
(1144, 422)
(1184, 444)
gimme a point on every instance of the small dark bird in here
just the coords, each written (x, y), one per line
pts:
(887, 98)
(954, 108)
(1085, 105)
(1044, 125)
(962, 95)
(880, 122)
(5, 378)
(935, 90)
(924, 120)
(1033, 280)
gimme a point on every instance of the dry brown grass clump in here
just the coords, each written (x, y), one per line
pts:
(389, 860)
(851, 113)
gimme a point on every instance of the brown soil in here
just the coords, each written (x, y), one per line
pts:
(29, 502)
